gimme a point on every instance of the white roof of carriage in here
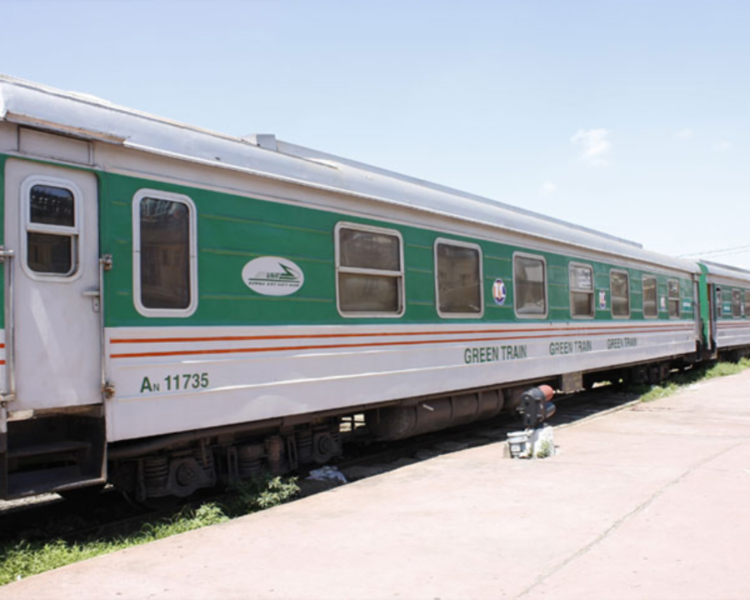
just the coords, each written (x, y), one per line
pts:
(88, 117)
(718, 271)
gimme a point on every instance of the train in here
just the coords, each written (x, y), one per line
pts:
(183, 308)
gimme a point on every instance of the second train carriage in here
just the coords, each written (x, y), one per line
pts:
(185, 307)
(728, 305)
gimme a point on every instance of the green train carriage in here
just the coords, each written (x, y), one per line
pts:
(184, 308)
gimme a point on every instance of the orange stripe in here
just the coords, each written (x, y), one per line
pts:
(331, 346)
(392, 334)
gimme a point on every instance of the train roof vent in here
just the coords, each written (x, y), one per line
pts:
(262, 140)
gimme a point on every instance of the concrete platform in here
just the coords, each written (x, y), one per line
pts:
(647, 502)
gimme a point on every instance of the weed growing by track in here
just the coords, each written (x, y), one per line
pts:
(649, 393)
(23, 559)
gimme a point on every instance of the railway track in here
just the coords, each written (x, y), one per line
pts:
(110, 514)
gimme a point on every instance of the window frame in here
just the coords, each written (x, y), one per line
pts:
(193, 254)
(571, 290)
(678, 299)
(400, 275)
(612, 298)
(456, 315)
(719, 302)
(736, 294)
(656, 297)
(75, 232)
(515, 287)
(747, 303)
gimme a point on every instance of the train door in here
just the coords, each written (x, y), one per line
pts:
(699, 331)
(51, 224)
(718, 307)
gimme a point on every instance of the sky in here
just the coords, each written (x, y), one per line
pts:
(626, 116)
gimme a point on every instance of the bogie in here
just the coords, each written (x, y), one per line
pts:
(220, 460)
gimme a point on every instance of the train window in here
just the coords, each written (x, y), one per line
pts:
(529, 282)
(164, 245)
(459, 279)
(650, 302)
(736, 304)
(52, 235)
(619, 291)
(581, 279)
(747, 303)
(52, 206)
(370, 274)
(673, 293)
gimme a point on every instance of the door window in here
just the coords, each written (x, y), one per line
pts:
(52, 235)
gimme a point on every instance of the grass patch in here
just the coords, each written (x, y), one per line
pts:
(545, 449)
(23, 559)
(723, 369)
(649, 393)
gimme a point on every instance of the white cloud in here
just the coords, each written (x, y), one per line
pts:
(595, 147)
(721, 146)
(548, 188)
(684, 134)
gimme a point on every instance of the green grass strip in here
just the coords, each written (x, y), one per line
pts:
(649, 393)
(23, 559)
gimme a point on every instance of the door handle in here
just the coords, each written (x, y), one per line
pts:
(95, 296)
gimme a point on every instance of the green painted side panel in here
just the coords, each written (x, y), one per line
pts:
(726, 308)
(233, 230)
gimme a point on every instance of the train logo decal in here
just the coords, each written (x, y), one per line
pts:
(273, 276)
(602, 299)
(499, 292)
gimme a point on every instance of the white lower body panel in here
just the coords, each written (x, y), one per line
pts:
(732, 334)
(177, 379)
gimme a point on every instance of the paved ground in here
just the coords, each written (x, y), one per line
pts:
(649, 502)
